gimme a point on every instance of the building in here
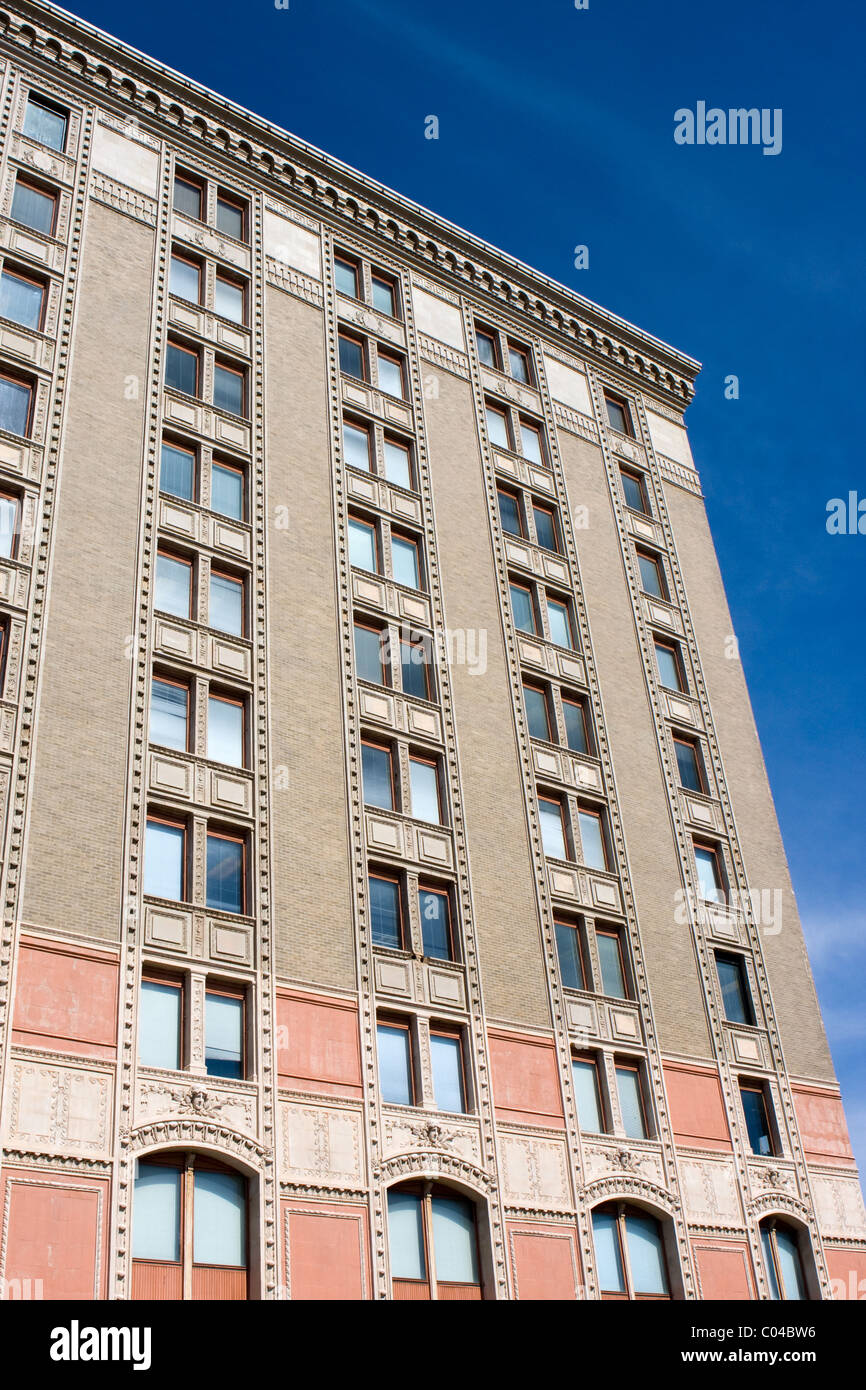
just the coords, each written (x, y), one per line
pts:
(393, 900)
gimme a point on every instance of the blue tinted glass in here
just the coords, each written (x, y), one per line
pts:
(385, 912)
(225, 874)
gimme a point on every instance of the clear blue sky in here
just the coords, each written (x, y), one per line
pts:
(556, 128)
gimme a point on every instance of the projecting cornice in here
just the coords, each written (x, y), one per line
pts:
(171, 105)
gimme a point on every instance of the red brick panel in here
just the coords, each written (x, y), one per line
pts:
(823, 1127)
(326, 1252)
(56, 1234)
(847, 1270)
(544, 1263)
(525, 1079)
(724, 1270)
(317, 1044)
(696, 1107)
(66, 998)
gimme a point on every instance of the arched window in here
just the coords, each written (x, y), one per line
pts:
(433, 1243)
(785, 1273)
(189, 1234)
(629, 1253)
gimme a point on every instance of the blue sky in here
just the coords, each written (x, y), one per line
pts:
(556, 129)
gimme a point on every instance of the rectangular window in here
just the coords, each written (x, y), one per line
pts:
(185, 279)
(188, 197)
(181, 369)
(497, 427)
(670, 667)
(230, 299)
(398, 463)
(356, 445)
(353, 357)
(160, 1023)
(488, 348)
(631, 1100)
(224, 1033)
(446, 1055)
(651, 576)
(34, 207)
(377, 775)
(415, 660)
(435, 908)
(576, 726)
(553, 837)
(405, 561)
(531, 443)
(169, 714)
(226, 604)
(226, 875)
(391, 377)
(225, 730)
(177, 471)
(424, 786)
(228, 490)
(690, 765)
(510, 512)
(10, 512)
(590, 1115)
(16, 405)
(229, 389)
(519, 363)
(618, 414)
(363, 547)
(546, 527)
(569, 948)
(634, 491)
(537, 712)
(559, 618)
(173, 593)
(165, 859)
(231, 216)
(523, 609)
(710, 877)
(592, 839)
(611, 958)
(21, 299)
(734, 984)
(386, 912)
(394, 1046)
(45, 122)
(384, 294)
(756, 1113)
(369, 654)
(347, 277)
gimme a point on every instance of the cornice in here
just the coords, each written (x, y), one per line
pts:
(167, 101)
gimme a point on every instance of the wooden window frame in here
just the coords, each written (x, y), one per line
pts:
(169, 554)
(700, 767)
(713, 848)
(396, 1021)
(664, 595)
(533, 600)
(154, 975)
(235, 579)
(361, 427)
(240, 701)
(181, 447)
(236, 837)
(180, 685)
(221, 364)
(425, 886)
(598, 813)
(395, 799)
(745, 987)
(187, 1162)
(639, 478)
(578, 702)
(399, 442)
(384, 666)
(575, 925)
(520, 350)
(230, 466)
(384, 277)
(769, 1225)
(553, 599)
(357, 269)
(56, 109)
(536, 427)
(427, 1192)
(591, 1059)
(625, 406)
(9, 374)
(483, 331)
(676, 650)
(554, 799)
(360, 341)
(46, 191)
(632, 1064)
(416, 543)
(493, 408)
(517, 499)
(198, 266)
(7, 495)
(425, 665)
(456, 1034)
(618, 934)
(191, 181)
(377, 542)
(241, 205)
(553, 513)
(386, 876)
(10, 269)
(757, 1086)
(622, 1211)
(543, 691)
(399, 361)
(436, 766)
(238, 282)
(225, 990)
(195, 354)
(4, 648)
(157, 818)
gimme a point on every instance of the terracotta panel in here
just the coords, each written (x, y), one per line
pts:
(66, 999)
(823, 1127)
(696, 1107)
(317, 1045)
(847, 1270)
(525, 1079)
(724, 1271)
(53, 1234)
(326, 1254)
(544, 1264)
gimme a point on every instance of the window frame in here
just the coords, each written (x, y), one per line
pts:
(613, 398)
(168, 554)
(354, 265)
(226, 990)
(529, 589)
(237, 282)
(713, 848)
(180, 447)
(11, 270)
(608, 930)
(385, 277)
(426, 886)
(230, 466)
(184, 685)
(577, 926)
(186, 258)
(517, 499)
(9, 374)
(216, 572)
(191, 181)
(579, 703)
(195, 354)
(535, 427)
(599, 814)
(554, 799)
(241, 205)
(236, 837)
(405, 445)
(425, 665)
(367, 742)
(639, 478)
(356, 519)
(8, 495)
(428, 761)
(621, 1210)
(396, 359)
(35, 97)
(492, 336)
(384, 666)
(759, 1087)
(543, 691)
(388, 876)
(637, 1067)
(684, 741)
(551, 511)
(359, 341)
(514, 348)
(241, 703)
(45, 191)
(552, 600)
(592, 1059)
(493, 408)
(455, 1034)
(654, 559)
(415, 541)
(676, 651)
(223, 364)
(157, 818)
(154, 975)
(394, 1021)
(745, 990)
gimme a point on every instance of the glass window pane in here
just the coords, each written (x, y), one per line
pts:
(225, 731)
(228, 390)
(385, 927)
(646, 1255)
(356, 445)
(454, 1247)
(227, 491)
(230, 219)
(414, 665)
(362, 545)
(219, 1219)
(435, 924)
(181, 369)
(163, 860)
(173, 583)
(225, 874)
(424, 782)
(176, 471)
(536, 712)
(616, 414)
(33, 208)
(447, 1058)
(631, 1108)
(757, 1123)
(20, 300)
(649, 576)
(687, 765)
(497, 428)
(708, 876)
(187, 198)
(519, 364)
(390, 376)
(669, 670)
(552, 832)
(395, 1075)
(633, 493)
(592, 840)
(185, 279)
(530, 441)
(368, 654)
(376, 769)
(351, 357)
(159, 1025)
(769, 1262)
(575, 726)
(397, 466)
(346, 278)
(45, 125)
(406, 1236)
(14, 406)
(404, 556)
(523, 609)
(486, 349)
(588, 1100)
(545, 528)
(227, 604)
(156, 1213)
(224, 1035)
(509, 514)
(735, 1000)
(384, 298)
(560, 627)
(607, 1253)
(169, 704)
(790, 1267)
(610, 959)
(570, 959)
(229, 299)
(8, 526)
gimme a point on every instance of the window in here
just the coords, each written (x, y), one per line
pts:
(546, 527)
(225, 730)
(434, 905)
(353, 357)
(446, 1055)
(181, 369)
(756, 1112)
(177, 470)
(160, 1022)
(424, 786)
(229, 389)
(576, 724)
(592, 838)
(634, 491)
(553, 836)
(4, 646)
(378, 776)
(631, 1100)
(363, 545)
(734, 984)
(224, 1028)
(384, 294)
(433, 1244)
(356, 445)
(10, 513)
(519, 363)
(398, 463)
(405, 561)
(165, 859)
(784, 1264)
(710, 877)
(169, 713)
(618, 414)
(173, 593)
(45, 122)
(690, 765)
(369, 654)
(629, 1253)
(346, 277)
(386, 911)
(531, 443)
(22, 299)
(590, 1115)
(228, 490)
(226, 872)
(391, 377)
(569, 948)
(231, 216)
(510, 512)
(652, 576)
(498, 428)
(185, 278)
(523, 609)
(226, 607)
(559, 618)
(188, 197)
(396, 1078)
(34, 207)
(415, 659)
(16, 404)
(488, 348)
(537, 711)
(611, 957)
(189, 1229)
(230, 299)
(670, 667)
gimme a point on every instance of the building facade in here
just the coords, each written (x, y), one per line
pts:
(393, 900)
